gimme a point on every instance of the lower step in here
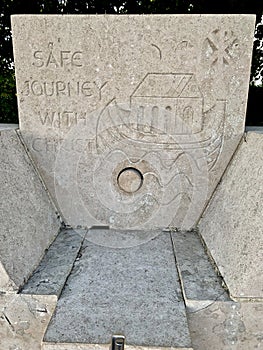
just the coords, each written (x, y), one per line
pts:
(134, 291)
(78, 346)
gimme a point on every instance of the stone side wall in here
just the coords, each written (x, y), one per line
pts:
(28, 220)
(232, 223)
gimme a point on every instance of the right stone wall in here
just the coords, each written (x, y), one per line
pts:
(232, 224)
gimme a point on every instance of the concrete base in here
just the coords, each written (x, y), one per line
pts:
(202, 285)
(109, 282)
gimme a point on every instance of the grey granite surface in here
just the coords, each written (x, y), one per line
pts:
(51, 274)
(199, 277)
(134, 291)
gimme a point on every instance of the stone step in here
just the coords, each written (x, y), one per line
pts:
(134, 291)
(201, 281)
(137, 279)
(51, 274)
(81, 346)
(225, 324)
(116, 290)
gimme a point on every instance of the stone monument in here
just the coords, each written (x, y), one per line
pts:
(132, 120)
(128, 210)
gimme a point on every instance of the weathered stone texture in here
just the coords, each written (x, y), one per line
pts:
(78, 346)
(28, 221)
(50, 276)
(23, 320)
(232, 224)
(200, 281)
(227, 326)
(164, 94)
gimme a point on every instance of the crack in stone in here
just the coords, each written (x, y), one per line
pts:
(9, 322)
(207, 306)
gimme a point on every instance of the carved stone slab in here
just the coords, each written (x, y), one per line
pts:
(132, 120)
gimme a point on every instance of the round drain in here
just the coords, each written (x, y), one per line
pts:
(130, 180)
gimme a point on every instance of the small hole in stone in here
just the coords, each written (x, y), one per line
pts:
(130, 180)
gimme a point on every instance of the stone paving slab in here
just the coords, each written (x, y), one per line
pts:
(198, 274)
(227, 326)
(23, 320)
(133, 291)
(51, 274)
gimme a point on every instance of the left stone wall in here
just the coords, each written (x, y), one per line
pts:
(28, 220)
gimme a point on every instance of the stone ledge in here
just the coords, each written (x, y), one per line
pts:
(8, 126)
(79, 346)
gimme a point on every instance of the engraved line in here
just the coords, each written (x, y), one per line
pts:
(180, 87)
(152, 73)
(160, 52)
(178, 194)
(138, 86)
(161, 160)
(98, 119)
(173, 97)
(198, 144)
(171, 180)
(222, 138)
(8, 322)
(212, 44)
(213, 162)
(169, 73)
